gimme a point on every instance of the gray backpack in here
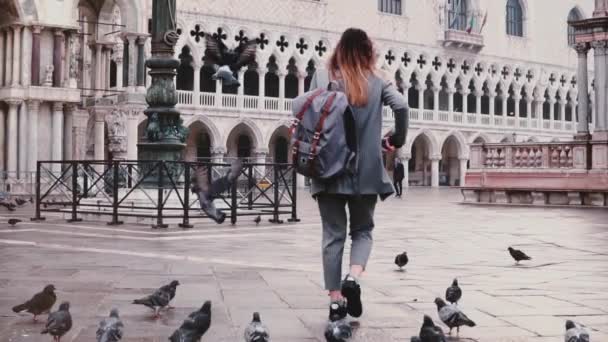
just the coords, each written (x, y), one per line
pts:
(323, 135)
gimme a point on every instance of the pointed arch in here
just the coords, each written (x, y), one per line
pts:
(462, 145)
(430, 138)
(480, 137)
(214, 133)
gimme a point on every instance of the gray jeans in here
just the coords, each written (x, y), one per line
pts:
(333, 217)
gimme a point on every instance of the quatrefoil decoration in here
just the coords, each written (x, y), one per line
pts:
(302, 46)
(241, 38)
(320, 48)
(406, 59)
(179, 31)
(390, 58)
(282, 43)
(197, 33)
(220, 34)
(262, 41)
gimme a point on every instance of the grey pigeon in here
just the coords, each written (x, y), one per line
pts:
(574, 333)
(110, 328)
(59, 322)
(429, 332)
(195, 326)
(13, 221)
(257, 220)
(338, 331)
(208, 190)
(256, 331)
(170, 288)
(518, 255)
(452, 316)
(401, 260)
(40, 303)
(156, 301)
(228, 61)
(453, 293)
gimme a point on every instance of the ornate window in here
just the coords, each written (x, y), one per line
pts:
(515, 20)
(390, 6)
(457, 15)
(574, 15)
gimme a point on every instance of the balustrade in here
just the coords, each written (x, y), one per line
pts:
(428, 115)
(526, 155)
(444, 116)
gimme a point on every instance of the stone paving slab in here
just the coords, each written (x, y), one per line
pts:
(275, 269)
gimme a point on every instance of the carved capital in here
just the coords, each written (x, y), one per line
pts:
(218, 151)
(582, 48)
(13, 102)
(33, 105)
(57, 107)
(141, 40)
(599, 47)
(36, 29)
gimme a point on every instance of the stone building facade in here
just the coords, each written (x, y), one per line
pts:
(72, 76)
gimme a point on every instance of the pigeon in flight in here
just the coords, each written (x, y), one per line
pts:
(338, 331)
(156, 301)
(518, 255)
(40, 303)
(227, 61)
(110, 328)
(207, 191)
(195, 326)
(59, 322)
(20, 201)
(257, 220)
(574, 333)
(256, 331)
(452, 316)
(13, 221)
(453, 293)
(429, 332)
(401, 260)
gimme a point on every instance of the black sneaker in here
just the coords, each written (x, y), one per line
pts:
(352, 292)
(337, 310)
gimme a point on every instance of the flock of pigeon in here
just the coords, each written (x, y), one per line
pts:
(453, 317)
(111, 328)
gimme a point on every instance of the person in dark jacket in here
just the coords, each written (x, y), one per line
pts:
(398, 175)
(352, 65)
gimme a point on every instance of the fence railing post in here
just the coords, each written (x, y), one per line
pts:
(74, 193)
(85, 180)
(233, 201)
(250, 185)
(294, 196)
(37, 216)
(275, 184)
(159, 215)
(115, 181)
(186, 219)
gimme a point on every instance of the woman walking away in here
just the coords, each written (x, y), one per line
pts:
(353, 67)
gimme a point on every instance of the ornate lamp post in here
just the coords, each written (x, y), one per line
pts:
(165, 135)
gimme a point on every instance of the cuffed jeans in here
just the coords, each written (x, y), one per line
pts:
(333, 217)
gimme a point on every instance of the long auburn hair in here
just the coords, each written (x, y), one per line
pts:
(353, 61)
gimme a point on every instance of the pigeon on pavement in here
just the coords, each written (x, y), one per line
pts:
(171, 288)
(338, 331)
(452, 316)
(574, 333)
(227, 61)
(518, 255)
(13, 221)
(156, 301)
(256, 331)
(59, 322)
(20, 201)
(40, 303)
(429, 332)
(401, 260)
(257, 220)
(110, 328)
(195, 326)
(453, 293)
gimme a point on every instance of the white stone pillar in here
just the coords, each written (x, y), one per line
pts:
(98, 69)
(281, 74)
(241, 89)
(516, 99)
(68, 132)
(23, 127)
(478, 95)
(552, 102)
(435, 172)
(119, 67)
(421, 99)
(57, 134)
(505, 98)
(451, 92)
(196, 90)
(301, 180)
(33, 108)
(2, 137)
(98, 151)
(16, 79)
(133, 136)
(406, 90)
(465, 101)
(12, 137)
(463, 171)
(529, 100)
(583, 89)
(262, 86)
(492, 104)
(436, 101)
(8, 64)
(26, 66)
(301, 83)
(562, 110)
(3, 49)
(406, 172)
(601, 85)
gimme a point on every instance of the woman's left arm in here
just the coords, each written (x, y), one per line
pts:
(392, 98)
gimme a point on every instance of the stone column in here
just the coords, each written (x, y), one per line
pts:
(196, 94)
(282, 74)
(451, 92)
(505, 98)
(241, 89)
(217, 154)
(3, 49)
(2, 137)
(98, 69)
(8, 63)
(600, 84)
(141, 61)
(261, 86)
(478, 95)
(23, 135)
(79, 142)
(132, 134)
(435, 172)
(421, 99)
(57, 134)
(26, 52)
(132, 42)
(68, 131)
(465, 101)
(406, 89)
(124, 76)
(58, 50)
(406, 171)
(12, 136)
(67, 56)
(16, 79)
(492, 104)
(98, 152)
(583, 89)
(260, 158)
(301, 83)
(436, 101)
(36, 55)
(516, 99)
(463, 171)
(529, 100)
(552, 102)
(33, 108)
(119, 84)
(562, 110)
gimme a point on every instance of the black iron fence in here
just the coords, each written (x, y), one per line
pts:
(160, 190)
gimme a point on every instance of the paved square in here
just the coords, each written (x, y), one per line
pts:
(276, 270)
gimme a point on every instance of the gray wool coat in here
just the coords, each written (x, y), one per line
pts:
(371, 177)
